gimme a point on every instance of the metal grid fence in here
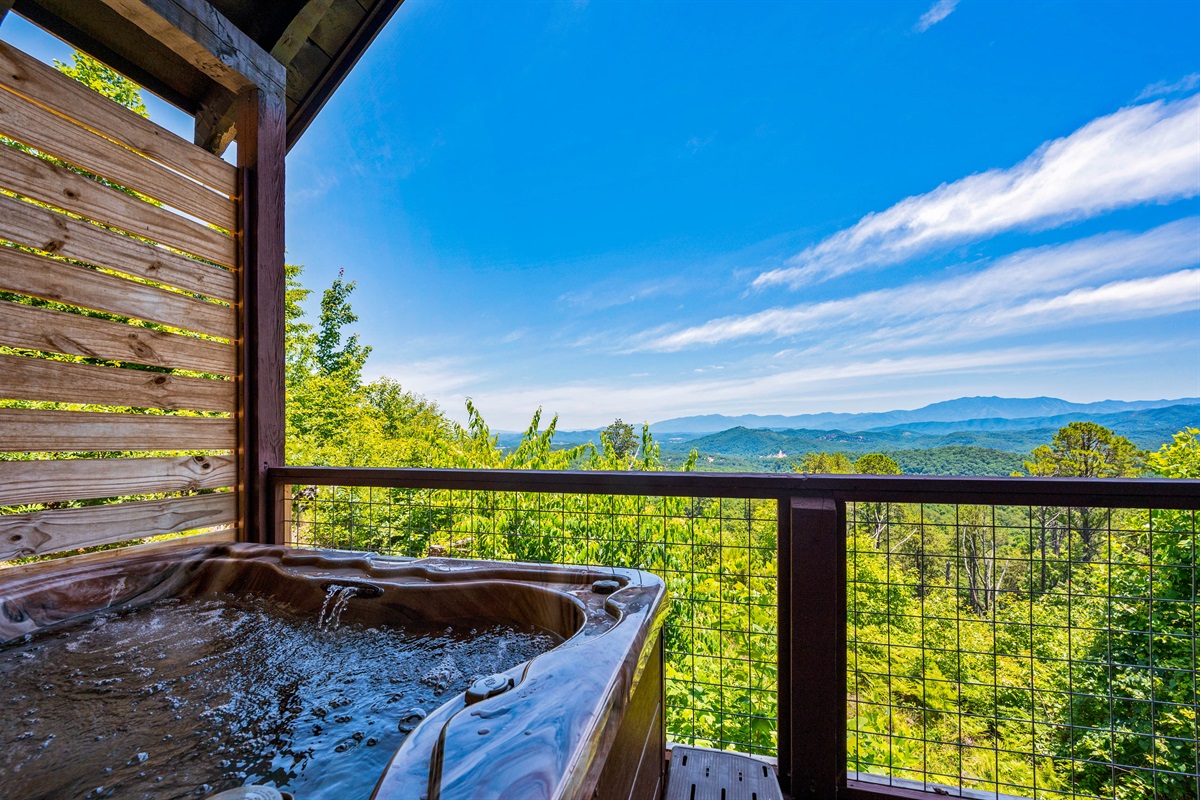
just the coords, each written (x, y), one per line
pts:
(716, 555)
(1038, 652)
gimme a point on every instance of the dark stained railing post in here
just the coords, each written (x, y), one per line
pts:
(261, 152)
(812, 647)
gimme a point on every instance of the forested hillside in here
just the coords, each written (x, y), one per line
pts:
(1047, 599)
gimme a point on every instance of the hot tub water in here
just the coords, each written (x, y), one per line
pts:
(188, 697)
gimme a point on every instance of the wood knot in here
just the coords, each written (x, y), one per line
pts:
(53, 246)
(202, 462)
(16, 537)
(160, 380)
(71, 193)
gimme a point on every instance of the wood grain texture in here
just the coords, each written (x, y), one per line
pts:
(261, 153)
(33, 125)
(60, 187)
(71, 284)
(183, 544)
(196, 31)
(28, 378)
(43, 229)
(51, 481)
(51, 331)
(33, 430)
(64, 529)
(45, 85)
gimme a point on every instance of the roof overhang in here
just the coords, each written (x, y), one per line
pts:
(300, 49)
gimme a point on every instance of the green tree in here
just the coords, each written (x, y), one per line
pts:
(825, 464)
(876, 464)
(877, 519)
(620, 437)
(1139, 707)
(105, 80)
(1086, 450)
(1079, 450)
(335, 352)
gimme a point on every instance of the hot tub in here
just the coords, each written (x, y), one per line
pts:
(186, 671)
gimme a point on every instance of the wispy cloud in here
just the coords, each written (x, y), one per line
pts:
(610, 294)
(1141, 154)
(936, 13)
(812, 385)
(1000, 288)
(697, 143)
(1185, 84)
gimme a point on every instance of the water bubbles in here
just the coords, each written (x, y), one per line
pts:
(238, 690)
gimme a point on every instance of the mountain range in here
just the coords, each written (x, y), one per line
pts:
(967, 436)
(960, 410)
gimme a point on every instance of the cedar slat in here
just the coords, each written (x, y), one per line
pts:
(34, 328)
(45, 85)
(182, 543)
(35, 430)
(50, 183)
(50, 481)
(68, 528)
(62, 382)
(42, 229)
(38, 276)
(44, 130)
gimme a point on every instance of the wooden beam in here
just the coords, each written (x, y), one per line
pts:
(52, 531)
(58, 480)
(37, 431)
(261, 153)
(41, 379)
(216, 121)
(103, 34)
(51, 331)
(205, 38)
(5, 7)
(333, 75)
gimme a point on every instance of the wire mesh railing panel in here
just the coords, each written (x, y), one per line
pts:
(1023, 651)
(716, 555)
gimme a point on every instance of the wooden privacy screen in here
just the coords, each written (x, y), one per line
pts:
(118, 332)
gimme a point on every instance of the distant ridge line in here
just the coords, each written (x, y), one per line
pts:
(959, 410)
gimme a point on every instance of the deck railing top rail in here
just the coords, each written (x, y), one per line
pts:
(1092, 492)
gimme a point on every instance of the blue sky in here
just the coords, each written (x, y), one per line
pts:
(650, 210)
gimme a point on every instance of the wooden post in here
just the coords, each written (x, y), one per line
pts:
(261, 148)
(812, 647)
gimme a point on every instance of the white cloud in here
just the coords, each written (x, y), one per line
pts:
(1141, 154)
(819, 385)
(432, 377)
(936, 13)
(997, 289)
(1185, 84)
(1162, 294)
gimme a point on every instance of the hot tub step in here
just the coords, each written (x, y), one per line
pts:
(698, 773)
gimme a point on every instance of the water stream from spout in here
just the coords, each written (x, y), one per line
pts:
(336, 598)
